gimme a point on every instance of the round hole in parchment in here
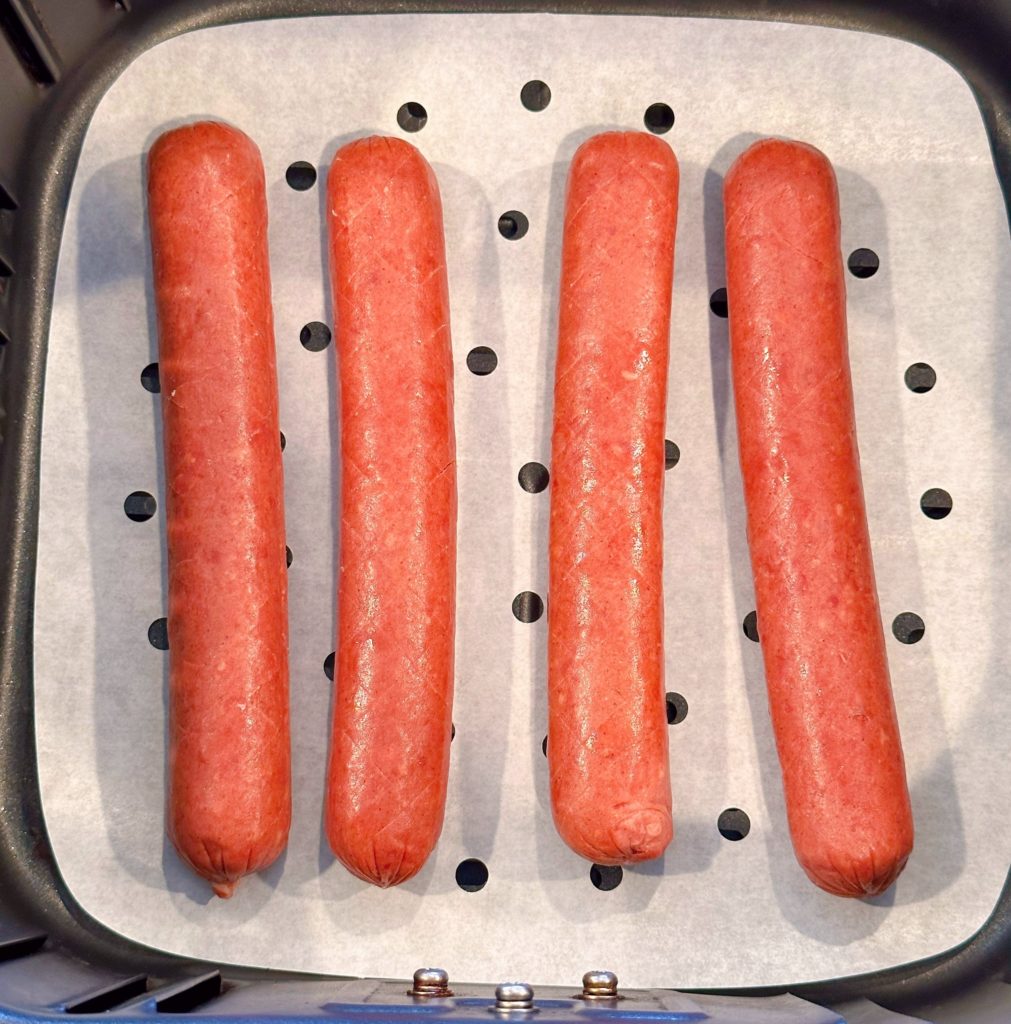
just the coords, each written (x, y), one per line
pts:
(300, 176)
(671, 454)
(412, 116)
(140, 506)
(527, 606)
(751, 626)
(677, 708)
(606, 877)
(315, 336)
(908, 628)
(659, 118)
(718, 303)
(863, 262)
(533, 477)
(920, 378)
(733, 824)
(936, 503)
(150, 378)
(535, 95)
(284, 440)
(481, 361)
(472, 874)
(544, 746)
(513, 225)
(157, 634)
(328, 664)
(287, 556)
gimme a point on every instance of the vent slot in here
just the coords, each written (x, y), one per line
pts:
(20, 945)
(189, 995)
(108, 997)
(28, 42)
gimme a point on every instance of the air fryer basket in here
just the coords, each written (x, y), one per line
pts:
(57, 57)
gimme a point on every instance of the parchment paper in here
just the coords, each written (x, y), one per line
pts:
(917, 187)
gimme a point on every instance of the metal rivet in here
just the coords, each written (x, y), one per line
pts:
(514, 995)
(431, 982)
(600, 985)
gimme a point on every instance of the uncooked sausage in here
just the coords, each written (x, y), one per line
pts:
(821, 634)
(389, 752)
(229, 804)
(607, 722)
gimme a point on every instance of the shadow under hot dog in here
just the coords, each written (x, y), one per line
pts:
(485, 556)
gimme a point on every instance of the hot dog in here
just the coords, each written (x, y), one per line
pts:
(607, 724)
(821, 634)
(389, 751)
(229, 804)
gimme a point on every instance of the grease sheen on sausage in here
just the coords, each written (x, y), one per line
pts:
(229, 804)
(389, 755)
(607, 723)
(821, 634)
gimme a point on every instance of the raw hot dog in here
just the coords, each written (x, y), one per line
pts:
(389, 751)
(229, 802)
(607, 723)
(822, 640)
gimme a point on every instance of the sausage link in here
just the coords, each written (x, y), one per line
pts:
(389, 753)
(607, 724)
(229, 805)
(821, 635)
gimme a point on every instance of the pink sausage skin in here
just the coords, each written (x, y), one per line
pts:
(607, 723)
(229, 805)
(389, 751)
(821, 635)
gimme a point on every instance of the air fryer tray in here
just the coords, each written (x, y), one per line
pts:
(961, 372)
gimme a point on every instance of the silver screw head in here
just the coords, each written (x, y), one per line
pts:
(514, 995)
(431, 981)
(600, 985)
